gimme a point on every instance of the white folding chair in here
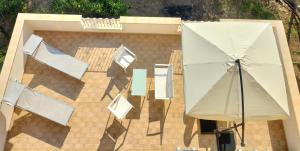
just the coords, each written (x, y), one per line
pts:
(119, 107)
(163, 76)
(124, 57)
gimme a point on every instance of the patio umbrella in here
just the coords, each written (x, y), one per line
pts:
(232, 72)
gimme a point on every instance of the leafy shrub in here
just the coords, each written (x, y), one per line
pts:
(2, 57)
(90, 8)
(12, 7)
(255, 9)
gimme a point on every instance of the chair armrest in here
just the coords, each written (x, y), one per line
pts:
(162, 65)
(116, 99)
(131, 53)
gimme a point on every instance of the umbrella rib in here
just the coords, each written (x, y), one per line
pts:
(229, 91)
(268, 64)
(265, 90)
(208, 90)
(204, 63)
(218, 48)
(261, 32)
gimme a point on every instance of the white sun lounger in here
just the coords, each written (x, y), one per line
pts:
(124, 57)
(119, 107)
(163, 76)
(44, 53)
(25, 98)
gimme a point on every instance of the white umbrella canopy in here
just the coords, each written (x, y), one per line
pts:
(211, 76)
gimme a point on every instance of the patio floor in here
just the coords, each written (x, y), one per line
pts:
(150, 125)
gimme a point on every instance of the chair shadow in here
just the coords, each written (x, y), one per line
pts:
(54, 80)
(137, 102)
(120, 83)
(112, 133)
(157, 113)
(115, 71)
(40, 128)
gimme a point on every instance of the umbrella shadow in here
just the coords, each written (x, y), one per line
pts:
(277, 135)
(40, 128)
(204, 141)
(188, 131)
(157, 116)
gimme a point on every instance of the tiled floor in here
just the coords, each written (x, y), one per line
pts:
(151, 125)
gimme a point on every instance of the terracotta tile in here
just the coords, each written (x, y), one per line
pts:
(152, 125)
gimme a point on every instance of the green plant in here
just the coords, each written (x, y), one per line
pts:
(12, 7)
(2, 57)
(255, 9)
(9, 10)
(90, 8)
(8, 13)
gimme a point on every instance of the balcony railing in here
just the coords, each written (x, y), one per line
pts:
(101, 23)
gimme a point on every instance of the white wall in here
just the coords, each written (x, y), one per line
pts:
(150, 25)
(16, 73)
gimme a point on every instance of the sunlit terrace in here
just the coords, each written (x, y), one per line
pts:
(150, 125)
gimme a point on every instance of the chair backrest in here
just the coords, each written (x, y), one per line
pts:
(119, 107)
(168, 73)
(112, 105)
(120, 54)
(170, 81)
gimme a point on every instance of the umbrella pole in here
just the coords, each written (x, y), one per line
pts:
(243, 105)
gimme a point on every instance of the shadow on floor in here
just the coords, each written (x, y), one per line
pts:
(40, 128)
(188, 131)
(120, 83)
(8, 145)
(277, 135)
(111, 135)
(115, 71)
(137, 102)
(54, 80)
(157, 116)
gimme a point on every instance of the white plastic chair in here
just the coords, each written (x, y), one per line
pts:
(163, 76)
(124, 57)
(119, 107)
